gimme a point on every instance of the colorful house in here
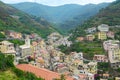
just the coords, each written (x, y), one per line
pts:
(13, 34)
(117, 78)
(107, 45)
(80, 38)
(114, 57)
(110, 34)
(102, 35)
(100, 58)
(7, 47)
(90, 37)
(92, 67)
(103, 28)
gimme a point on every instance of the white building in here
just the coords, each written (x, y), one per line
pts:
(25, 50)
(7, 47)
(75, 55)
(64, 41)
(90, 76)
(103, 28)
(111, 44)
(114, 57)
(91, 30)
(53, 37)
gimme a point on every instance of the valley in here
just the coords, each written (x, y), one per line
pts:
(64, 17)
(32, 48)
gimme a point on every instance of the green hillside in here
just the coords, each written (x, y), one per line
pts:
(13, 19)
(64, 17)
(8, 75)
(9, 72)
(110, 15)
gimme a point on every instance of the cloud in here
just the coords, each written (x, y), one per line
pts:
(59, 2)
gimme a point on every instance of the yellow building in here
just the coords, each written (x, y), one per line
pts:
(77, 62)
(102, 35)
(34, 47)
(18, 35)
(80, 38)
(92, 67)
(42, 44)
(117, 54)
(7, 47)
(114, 57)
(90, 37)
(2, 32)
(117, 78)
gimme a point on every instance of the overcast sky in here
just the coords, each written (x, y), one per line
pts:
(59, 2)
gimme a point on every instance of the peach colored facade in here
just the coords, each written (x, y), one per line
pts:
(7, 47)
(80, 38)
(15, 35)
(110, 34)
(90, 37)
(100, 58)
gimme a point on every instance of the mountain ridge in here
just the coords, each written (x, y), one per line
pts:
(13, 19)
(108, 15)
(59, 15)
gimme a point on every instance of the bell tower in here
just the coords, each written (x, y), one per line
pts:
(27, 41)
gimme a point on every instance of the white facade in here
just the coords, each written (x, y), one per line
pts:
(111, 44)
(114, 57)
(7, 47)
(25, 49)
(103, 28)
(91, 30)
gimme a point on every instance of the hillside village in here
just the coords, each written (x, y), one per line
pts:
(45, 54)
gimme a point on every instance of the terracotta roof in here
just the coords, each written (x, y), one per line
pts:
(41, 72)
(34, 43)
(82, 76)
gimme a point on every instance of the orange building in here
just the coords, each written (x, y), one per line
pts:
(80, 38)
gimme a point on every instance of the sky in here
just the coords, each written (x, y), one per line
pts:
(59, 2)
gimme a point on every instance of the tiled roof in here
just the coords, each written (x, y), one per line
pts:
(40, 72)
(6, 42)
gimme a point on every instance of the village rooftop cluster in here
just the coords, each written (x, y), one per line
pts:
(44, 55)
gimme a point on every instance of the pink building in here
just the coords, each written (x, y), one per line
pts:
(110, 34)
(82, 76)
(100, 58)
(111, 44)
(13, 34)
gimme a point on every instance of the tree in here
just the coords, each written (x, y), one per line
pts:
(2, 36)
(6, 61)
(2, 62)
(62, 77)
(9, 60)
